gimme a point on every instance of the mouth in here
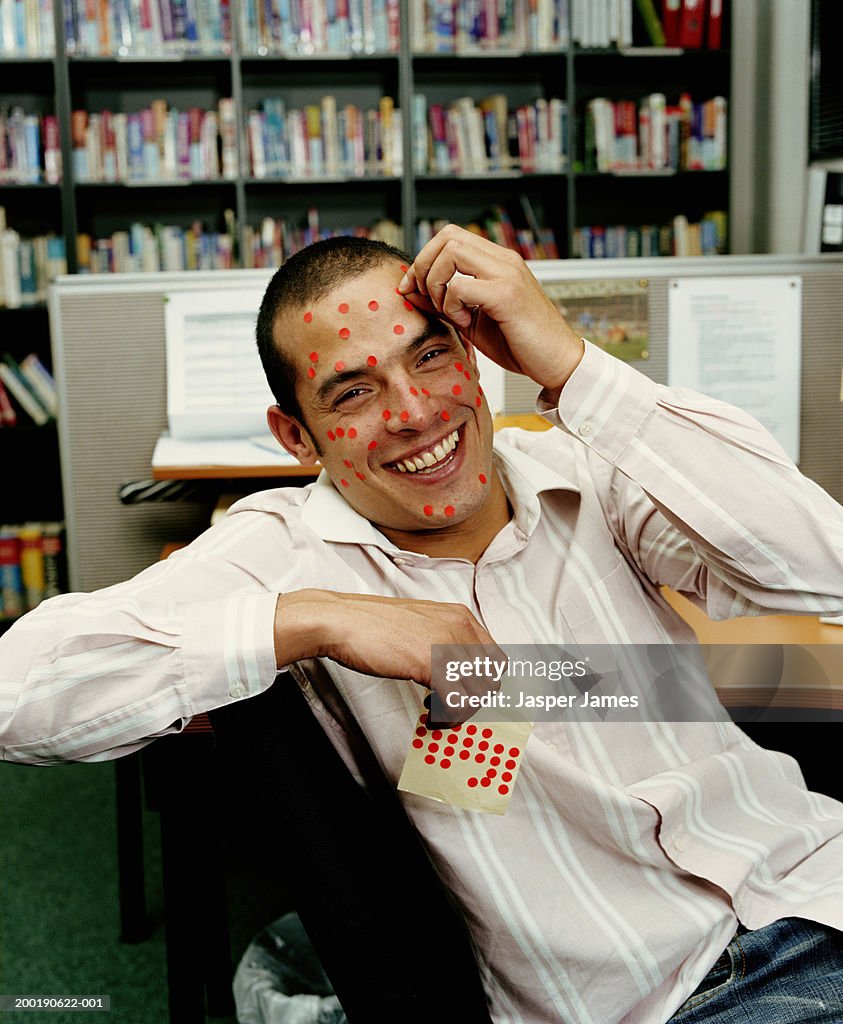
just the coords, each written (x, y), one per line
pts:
(428, 461)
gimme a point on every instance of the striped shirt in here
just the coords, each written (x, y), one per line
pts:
(629, 851)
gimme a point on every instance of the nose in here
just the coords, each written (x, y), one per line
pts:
(411, 408)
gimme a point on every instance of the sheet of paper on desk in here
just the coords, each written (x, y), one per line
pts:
(215, 383)
(174, 451)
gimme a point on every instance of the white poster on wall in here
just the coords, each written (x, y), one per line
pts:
(739, 339)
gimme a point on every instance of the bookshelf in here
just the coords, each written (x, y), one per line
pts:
(165, 130)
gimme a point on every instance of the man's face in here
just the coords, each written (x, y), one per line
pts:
(393, 400)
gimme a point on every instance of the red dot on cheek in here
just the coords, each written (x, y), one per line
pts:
(314, 357)
(372, 445)
(482, 478)
(426, 393)
(403, 267)
(344, 483)
(374, 306)
(478, 401)
(428, 510)
(403, 416)
(456, 389)
(458, 367)
(387, 415)
(331, 435)
(407, 305)
(445, 415)
(344, 333)
(372, 361)
(414, 392)
(360, 476)
(398, 329)
(311, 372)
(347, 462)
(342, 307)
(340, 432)
(352, 432)
(449, 510)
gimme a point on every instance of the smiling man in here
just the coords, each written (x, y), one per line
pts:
(641, 872)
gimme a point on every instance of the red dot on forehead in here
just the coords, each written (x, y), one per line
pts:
(352, 432)
(456, 389)
(386, 414)
(445, 415)
(372, 361)
(449, 510)
(403, 416)
(404, 267)
(342, 307)
(398, 329)
(340, 365)
(308, 317)
(373, 305)
(344, 332)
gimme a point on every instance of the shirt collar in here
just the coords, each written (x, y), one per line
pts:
(330, 516)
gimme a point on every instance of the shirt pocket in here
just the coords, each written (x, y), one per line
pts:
(610, 610)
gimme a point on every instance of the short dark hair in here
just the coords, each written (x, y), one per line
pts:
(303, 279)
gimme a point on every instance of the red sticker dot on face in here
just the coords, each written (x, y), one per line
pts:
(403, 416)
(456, 389)
(458, 367)
(429, 759)
(311, 372)
(428, 510)
(426, 393)
(414, 392)
(444, 763)
(449, 510)
(372, 445)
(387, 415)
(479, 389)
(503, 790)
(445, 415)
(352, 432)
(398, 329)
(340, 432)
(478, 401)
(339, 366)
(308, 317)
(342, 307)
(331, 435)
(314, 357)
(374, 306)
(407, 305)
(472, 783)
(403, 267)
(372, 361)
(467, 375)
(360, 476)
(344, 333)
(418, 744)
(482, 478)
(344, 483)
(346, 462)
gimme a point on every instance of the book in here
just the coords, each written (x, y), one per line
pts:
(8, 416)
(21, 394)
(41, 382)
(671, 10)
(651, 21)
(691, 21)
(32, 563)
(52, 547)
(12, 601)
(714, 34)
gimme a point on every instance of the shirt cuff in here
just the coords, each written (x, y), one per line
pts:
(228, 649)
(604, 402)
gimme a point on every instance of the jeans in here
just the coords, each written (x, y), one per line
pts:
(790, 972)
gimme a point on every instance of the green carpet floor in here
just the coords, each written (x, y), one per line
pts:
(59, 913)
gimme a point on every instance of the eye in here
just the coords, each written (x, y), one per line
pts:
(348, 396)
(432, 354)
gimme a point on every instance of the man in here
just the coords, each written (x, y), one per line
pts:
(630, 854)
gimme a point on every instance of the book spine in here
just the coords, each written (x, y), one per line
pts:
(52, 544)
(12, 597)
(32, 563)
(8, 416)
(20, 392)
(41, 382)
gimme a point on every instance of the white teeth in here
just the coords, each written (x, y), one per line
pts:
(430, 458)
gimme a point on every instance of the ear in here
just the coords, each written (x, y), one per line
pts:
(290, 434)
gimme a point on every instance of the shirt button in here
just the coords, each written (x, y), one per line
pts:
(237, 689)
(401, 561)
(586, 428)
(680, 841)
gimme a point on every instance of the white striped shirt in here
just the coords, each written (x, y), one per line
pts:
(629, 850)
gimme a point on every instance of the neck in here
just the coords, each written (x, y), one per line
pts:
(467, 539)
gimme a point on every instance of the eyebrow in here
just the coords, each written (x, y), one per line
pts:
(435, 328)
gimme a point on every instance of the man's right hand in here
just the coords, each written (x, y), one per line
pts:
(380, 636)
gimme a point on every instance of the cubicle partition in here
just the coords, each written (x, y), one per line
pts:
(109, 357)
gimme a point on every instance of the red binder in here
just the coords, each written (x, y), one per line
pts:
(691, 24)
(671, 11)
(715, 24)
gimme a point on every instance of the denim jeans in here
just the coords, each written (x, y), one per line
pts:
(790, 972)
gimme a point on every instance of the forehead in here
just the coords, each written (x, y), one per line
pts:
(363, 311)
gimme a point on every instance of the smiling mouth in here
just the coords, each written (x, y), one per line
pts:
(432, 459)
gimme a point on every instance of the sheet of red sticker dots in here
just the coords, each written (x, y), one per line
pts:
(472, 765)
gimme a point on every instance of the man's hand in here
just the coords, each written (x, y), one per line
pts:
(488, 293)
(381, 636)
